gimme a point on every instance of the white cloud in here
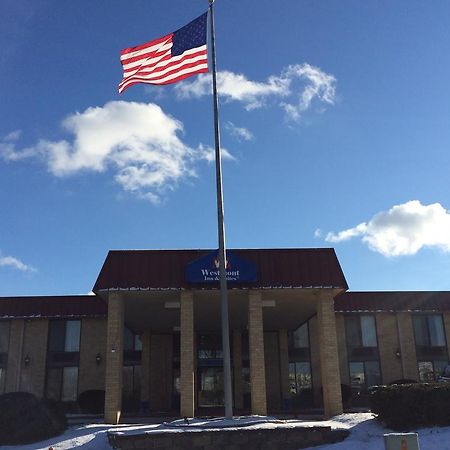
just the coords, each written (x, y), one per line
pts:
(294, 90)
(241, 133)
(138, 141)
(403, 230)
(14, 263)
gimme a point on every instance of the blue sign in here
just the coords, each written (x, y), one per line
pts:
(206, 269)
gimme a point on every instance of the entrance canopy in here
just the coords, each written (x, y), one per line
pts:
(150, 282)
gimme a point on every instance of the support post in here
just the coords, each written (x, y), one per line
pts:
(329, 357)
(256, 350)
(114, 358)
(237, 370)
(187, 355)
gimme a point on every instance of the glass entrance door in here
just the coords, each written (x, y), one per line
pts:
(210, 391)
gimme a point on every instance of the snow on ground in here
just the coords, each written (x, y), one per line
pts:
(365, 433)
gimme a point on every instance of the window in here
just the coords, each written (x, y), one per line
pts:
(209, 348)
(299, 343)
(299, 377)
(132, 357)
(300, 337)
(4, 344)
(429, 330)
(430, 371)
(364, 374)
(361, 331)
(63, 358)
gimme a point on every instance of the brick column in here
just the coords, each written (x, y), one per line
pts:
(407, 346)
(15, 355)
(145, 370)
(388, 345)
(256, 350)
(329, 356)
(283, 348)
(114, 358)
(187, 355)
(237, 370)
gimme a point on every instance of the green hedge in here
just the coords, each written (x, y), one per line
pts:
(407, 406)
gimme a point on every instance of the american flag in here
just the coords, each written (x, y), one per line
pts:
(167, 59)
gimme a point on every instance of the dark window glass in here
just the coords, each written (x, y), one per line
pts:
(429, 330)
(2, 380)
(361, 331)
(128, 339)
(299, 377)
(209, 346)
(357, 375)
(62, 361)
(373, 375)
(300, 338)
(57, 336)
(353, 331)
(54, 384)
(364, 374)
(430, 371)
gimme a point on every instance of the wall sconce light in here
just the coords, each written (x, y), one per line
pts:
(398, 354)
(98, 358)
(27, 360)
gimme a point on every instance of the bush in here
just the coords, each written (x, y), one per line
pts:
(407, 406)
(92, 402)
(24, 418)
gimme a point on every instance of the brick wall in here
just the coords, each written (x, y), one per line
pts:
(35, 346)
(316, 371)
(388, 344)
(282, 438)
(92, 342)
(15, 355)
(407, 346)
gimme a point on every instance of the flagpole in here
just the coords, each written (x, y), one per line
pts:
(221, 234)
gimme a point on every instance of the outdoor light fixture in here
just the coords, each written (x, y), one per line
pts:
(27, 360)
(398, 353)
(98, 358)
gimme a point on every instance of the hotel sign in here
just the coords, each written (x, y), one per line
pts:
(206, 269)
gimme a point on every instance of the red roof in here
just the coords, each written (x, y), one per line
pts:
(52, 307)
(165, 269)
(392, 301)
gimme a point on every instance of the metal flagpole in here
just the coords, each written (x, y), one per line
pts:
(221, 233)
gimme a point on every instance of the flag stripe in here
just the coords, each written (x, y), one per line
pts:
(147, 63)
(190, 69)
(168, 80)
(133, 61)
(154, 77)
(162, 69)
(167, 59)
(144, 48)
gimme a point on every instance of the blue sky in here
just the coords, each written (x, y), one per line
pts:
(335, 115)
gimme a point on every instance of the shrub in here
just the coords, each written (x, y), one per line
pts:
(92, 402)
(24, 418)
(406, 406)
